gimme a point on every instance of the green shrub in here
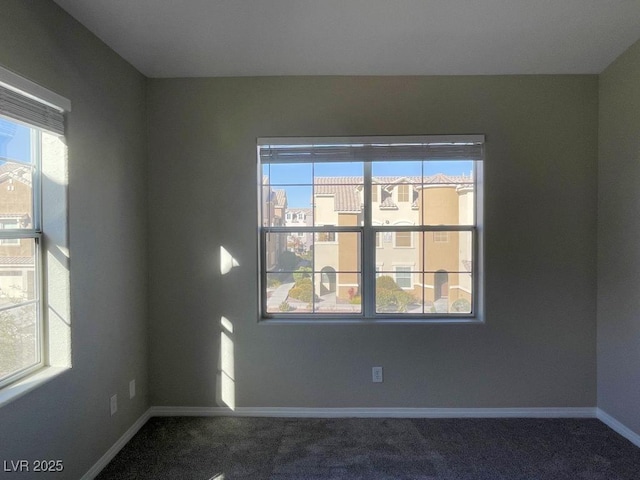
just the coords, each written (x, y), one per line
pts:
(273, 282)
(304, 292)
(285, 307)
(386, 282)
(301, 274)
(389, 296)
(355, 300)
(461, 305)
(403, 300)
(385, 298)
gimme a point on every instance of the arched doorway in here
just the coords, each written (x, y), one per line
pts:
(441, 285)
(327, 280)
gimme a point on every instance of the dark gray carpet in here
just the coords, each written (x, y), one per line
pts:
(225, 448)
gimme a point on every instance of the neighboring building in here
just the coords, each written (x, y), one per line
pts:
(398, 201)
(17, 269)
(299, 242)
(274, 205)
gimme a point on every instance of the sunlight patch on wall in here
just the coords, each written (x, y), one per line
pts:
(227, 262)
(227, 364)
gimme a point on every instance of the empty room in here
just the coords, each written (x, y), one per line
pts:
(296, 239)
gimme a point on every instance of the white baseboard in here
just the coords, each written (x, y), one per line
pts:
(577, 412)
(113, 451)
(618, 427)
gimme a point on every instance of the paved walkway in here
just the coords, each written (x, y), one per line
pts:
(279, 295)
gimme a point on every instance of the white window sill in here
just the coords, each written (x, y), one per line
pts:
(17, 389)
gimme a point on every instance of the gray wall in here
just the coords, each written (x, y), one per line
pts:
(68, 418)
(618, 233)
(537, 348)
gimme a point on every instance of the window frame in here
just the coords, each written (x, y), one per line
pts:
(34, 233)
(44, 112)
(369, 231)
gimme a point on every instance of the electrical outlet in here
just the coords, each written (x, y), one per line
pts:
(132, 388)
(114, 404)
(376, 374)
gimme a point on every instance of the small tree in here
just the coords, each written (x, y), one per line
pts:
(288, 261)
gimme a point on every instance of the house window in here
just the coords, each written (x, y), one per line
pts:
(9, 224)
(32, 224)
(355, 237)
(326, 237)
(440, 237)
(403, 277)
(403, 239)
(403, 193)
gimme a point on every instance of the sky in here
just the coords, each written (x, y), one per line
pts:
(14, 141)
(285, 176)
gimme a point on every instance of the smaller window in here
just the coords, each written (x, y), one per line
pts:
(9, 223)
(326, 237)
(403, 193)
(403, 239)
(374, 193)
(403, 277)
(378, 239)
(440, 237)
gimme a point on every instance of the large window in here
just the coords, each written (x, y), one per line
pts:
(32, 224)
(412, 251)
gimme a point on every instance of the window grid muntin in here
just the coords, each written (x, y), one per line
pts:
(368, 247)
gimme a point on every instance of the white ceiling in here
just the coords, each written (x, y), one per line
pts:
(196, 38)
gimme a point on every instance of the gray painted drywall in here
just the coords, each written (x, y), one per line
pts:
(68, 418)
(537, 348)
(618, 233)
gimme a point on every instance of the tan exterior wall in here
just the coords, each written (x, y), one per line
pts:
(17, 267)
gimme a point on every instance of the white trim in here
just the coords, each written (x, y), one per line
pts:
(618, 427)
(116, 447)
(560, 412)
(376, 140)
(18, 83)
(21, 387)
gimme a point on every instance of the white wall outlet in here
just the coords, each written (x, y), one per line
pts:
(376, 374)
(132, 388)
(114, 404)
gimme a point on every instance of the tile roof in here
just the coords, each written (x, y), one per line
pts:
(347, 189)
(306, 211)
(15, 261)
(15, 171)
